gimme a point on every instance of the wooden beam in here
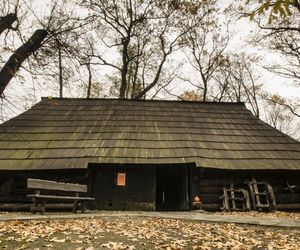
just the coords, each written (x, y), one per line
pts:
(53, 185)
(57, 197)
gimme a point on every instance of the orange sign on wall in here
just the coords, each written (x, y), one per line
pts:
(121, 179)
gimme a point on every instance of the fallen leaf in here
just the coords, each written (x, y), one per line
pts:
(58, 240)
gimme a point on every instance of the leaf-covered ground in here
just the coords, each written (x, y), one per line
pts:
(272, 215)
(141, 233)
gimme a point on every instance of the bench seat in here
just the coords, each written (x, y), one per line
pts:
(67, 192)
(45, 196)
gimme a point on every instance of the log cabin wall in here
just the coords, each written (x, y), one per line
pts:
(13, 183)
(286, 186)
(208, 185)
(139, 192)
(123, 187)
(140, 187)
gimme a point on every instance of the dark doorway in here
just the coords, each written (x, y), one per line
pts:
(123, 187)
(172, 188)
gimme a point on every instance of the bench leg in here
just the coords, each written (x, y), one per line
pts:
(33, 207)
(75, 206)
(38, 206)
(43, 207)
(83, 206)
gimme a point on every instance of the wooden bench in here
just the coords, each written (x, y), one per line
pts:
(62, 192)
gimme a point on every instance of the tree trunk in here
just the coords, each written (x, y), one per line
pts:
(7, 21)
(204, 80)
(134, 78)
(60, 72)
(155, 81)
(123, 81)
(17, 58)
(90, 80)
(124, 72)
(205, 91)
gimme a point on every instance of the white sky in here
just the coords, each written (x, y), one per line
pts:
(21, 98)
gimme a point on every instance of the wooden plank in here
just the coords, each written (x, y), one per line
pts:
(53, 185)
(219, 183)
(225, 200)
(293, 207)
(212, 207)
(256, 193)
(287, 198)
(26, 206)
(210, 198)
(211, 190)
(232, 195)
(56, 197)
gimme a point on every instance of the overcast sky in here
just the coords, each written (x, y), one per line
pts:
(241, 30)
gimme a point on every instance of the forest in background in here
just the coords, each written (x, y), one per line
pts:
(221, 51)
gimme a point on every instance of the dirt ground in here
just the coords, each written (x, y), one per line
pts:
(275, 214)
(141, 233)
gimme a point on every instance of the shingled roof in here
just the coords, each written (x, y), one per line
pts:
(71, 133)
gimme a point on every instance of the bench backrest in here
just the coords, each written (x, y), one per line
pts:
(53, 185)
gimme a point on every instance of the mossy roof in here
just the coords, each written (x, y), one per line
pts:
(71, 133)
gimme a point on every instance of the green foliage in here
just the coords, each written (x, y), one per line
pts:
(272, 8)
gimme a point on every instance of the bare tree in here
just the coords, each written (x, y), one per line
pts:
(142, 35)
(277, 112)
(51, 34)
(279, 32)
(28, 47)
(238, 82)
(7, 21)
(10, 68)
(234, 81)
(207, 45)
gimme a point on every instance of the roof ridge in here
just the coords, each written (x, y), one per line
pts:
(49, 98)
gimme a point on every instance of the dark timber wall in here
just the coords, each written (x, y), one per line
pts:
(209, 183)
(148, 187)
(13, 183)
(147, 184)
(137, 194)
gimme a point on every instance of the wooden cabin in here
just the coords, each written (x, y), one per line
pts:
(151, 155)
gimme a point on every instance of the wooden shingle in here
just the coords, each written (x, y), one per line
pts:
(71, 133)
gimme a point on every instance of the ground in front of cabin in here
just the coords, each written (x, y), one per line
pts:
(141, 233)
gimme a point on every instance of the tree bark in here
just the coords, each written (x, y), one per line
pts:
(124, 71)
(154, 82)
(17, 58)
(88, 65)
(60, 72)
(7, 21)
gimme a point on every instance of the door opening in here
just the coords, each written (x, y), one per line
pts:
(172, 188)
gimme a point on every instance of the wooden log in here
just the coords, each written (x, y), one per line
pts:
(212, 207)
(289, 207)
(26, 206)
(53, 185)
(287, 198)
(211, 190)
(56, 197)
(220, 182)
(210, 198)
